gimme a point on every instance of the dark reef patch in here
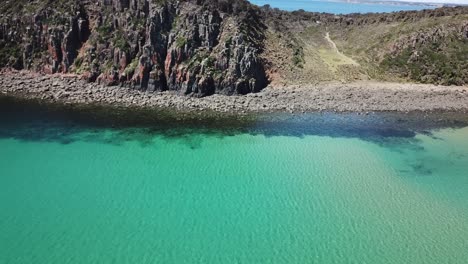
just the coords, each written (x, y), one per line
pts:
(34, 121)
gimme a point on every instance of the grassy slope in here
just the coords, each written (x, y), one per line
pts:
(306, 55)
(370, 45)
(362, 52)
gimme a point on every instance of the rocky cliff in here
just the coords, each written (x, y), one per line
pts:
(195, 47)
(202, 47)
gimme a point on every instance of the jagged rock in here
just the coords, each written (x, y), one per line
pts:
(69, 48)
(165, 45)
(55, 50)
(142, 75)
(157, 81)
(206, 86)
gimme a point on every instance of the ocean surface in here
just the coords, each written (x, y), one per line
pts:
(336, 7)
(318, 188)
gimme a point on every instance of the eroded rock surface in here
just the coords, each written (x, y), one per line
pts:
(194, 47)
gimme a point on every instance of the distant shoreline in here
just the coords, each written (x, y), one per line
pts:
(398, 3)
(393, 2)
(389, 2)
(410, 5)
(360, 97)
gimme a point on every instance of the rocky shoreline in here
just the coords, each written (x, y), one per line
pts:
(359, 97)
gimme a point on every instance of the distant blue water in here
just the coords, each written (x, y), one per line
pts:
(338, 7)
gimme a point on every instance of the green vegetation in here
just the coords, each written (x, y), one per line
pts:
(209, 62)
(160, 2)
(20, 6)
(103, 33)
(210, 66)
(434, 63)
(80, 66)
(56, 20)
(12, 7)
(9, 52)
(203, 58)
(107, 66)
(439, 55)
(77, 65)
(228, 42)
(119, 40)
(139, 22)
(298, 57)
(197, 59)
(130, 69)
(175, 22)
(181, 42)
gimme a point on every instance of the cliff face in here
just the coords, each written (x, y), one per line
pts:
(202, 47)
(195, 47)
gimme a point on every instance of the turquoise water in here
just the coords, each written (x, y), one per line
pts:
(339, 7)
(324, 188)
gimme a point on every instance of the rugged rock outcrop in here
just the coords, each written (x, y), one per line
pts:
(49, 42)
(189, 46)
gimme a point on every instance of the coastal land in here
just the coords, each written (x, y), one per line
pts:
(232, 56)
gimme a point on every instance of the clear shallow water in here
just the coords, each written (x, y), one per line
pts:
(313, 189)
(339, 7)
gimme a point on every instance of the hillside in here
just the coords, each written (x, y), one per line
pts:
(429, 46)
(202, 47)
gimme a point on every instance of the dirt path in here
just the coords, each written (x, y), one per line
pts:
(327, 37)
(335, 49)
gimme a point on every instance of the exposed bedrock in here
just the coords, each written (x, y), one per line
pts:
(187, 46)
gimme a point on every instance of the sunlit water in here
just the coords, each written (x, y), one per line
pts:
(337, 7)
(328, 189)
